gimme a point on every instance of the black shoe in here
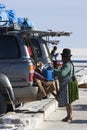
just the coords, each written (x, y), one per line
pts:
(45, 97)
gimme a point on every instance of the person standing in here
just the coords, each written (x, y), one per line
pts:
(54, 57)
(64, 76)
(54, 53)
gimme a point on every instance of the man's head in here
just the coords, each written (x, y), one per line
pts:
(55, 48)
(39, 64)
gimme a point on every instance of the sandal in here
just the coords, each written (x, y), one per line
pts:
(67, 119)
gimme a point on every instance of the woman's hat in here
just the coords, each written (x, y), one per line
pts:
(66, 52)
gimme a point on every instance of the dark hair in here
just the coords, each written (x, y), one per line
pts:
(55, 48)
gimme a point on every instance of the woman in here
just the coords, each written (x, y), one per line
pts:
(64, 76)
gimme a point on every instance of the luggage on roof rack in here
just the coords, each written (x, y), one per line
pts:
(7, 17)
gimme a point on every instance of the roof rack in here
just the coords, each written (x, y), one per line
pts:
(29, 31)
(46, 33)
(8, 26)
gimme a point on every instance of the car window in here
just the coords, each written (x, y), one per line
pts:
(9, 48)
(36, 47)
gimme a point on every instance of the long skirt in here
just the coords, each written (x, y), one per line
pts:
(68, 93)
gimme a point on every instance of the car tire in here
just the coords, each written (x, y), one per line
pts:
(3, 104)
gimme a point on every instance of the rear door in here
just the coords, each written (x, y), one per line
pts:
(12, 62)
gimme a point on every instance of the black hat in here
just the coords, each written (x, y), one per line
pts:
(66, 52)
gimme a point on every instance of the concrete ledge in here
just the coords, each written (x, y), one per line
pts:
(50, 108)
(30, 116)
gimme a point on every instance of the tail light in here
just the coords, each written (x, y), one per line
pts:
(31, 74)
(31, 68)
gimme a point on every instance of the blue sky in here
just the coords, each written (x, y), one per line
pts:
(57, 15)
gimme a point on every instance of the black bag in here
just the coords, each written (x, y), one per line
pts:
(73, 88)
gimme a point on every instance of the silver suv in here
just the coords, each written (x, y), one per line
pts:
(16, 71)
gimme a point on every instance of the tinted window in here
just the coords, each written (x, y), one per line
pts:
(9, 47)
(36, 47)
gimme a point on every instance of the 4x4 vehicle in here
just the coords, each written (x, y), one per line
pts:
(16, 71)
(16, 64)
